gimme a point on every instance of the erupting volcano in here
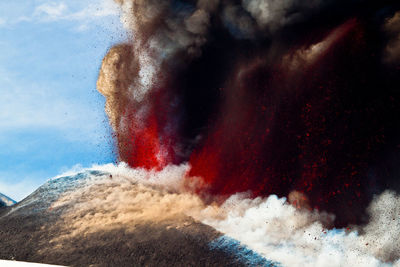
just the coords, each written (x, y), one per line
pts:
(266, 97)
(248, 133)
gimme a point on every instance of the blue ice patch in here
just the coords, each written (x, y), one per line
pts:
(241, 252)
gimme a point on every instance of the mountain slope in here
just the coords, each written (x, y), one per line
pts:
(103, 219)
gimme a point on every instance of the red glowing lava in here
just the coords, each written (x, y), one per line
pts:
(144, 143)
(147, 148)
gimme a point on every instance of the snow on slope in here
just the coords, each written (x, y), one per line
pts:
(4, 263)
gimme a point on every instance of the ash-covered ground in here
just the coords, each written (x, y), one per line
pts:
(62, 223)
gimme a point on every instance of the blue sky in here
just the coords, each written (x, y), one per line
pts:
(51, 116)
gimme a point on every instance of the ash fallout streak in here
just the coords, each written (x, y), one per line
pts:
(264, 96)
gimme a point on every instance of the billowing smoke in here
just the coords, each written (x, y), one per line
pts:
(125, 198)
(293, 98)
(392, 28)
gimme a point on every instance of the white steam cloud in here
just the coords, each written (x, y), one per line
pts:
(270, 226)
(280, 232)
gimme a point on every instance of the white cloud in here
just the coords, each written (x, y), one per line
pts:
(83, 27)
(60, 11)
(99, 9)
(51, 10)
(84, 12)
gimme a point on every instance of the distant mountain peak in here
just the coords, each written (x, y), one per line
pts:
(6, 201)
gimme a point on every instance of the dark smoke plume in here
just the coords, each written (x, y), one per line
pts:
(265, 96)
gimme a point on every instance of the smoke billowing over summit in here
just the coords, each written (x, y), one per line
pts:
(293, 98)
